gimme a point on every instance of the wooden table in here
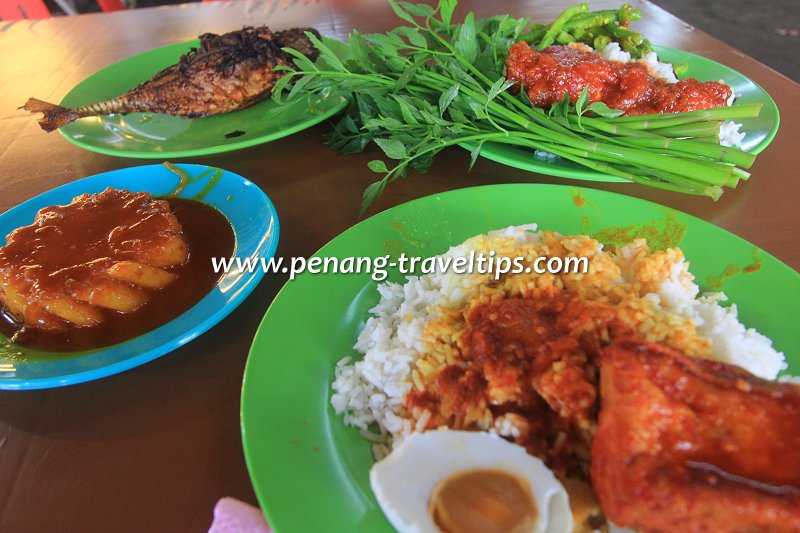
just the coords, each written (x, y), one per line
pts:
(154, 448)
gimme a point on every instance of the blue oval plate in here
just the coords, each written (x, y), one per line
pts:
(255, 226)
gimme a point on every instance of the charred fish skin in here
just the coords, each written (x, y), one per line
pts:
(296, 38)
(224, 73)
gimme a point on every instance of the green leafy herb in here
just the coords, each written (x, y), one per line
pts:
(432, 83)
(580, 103)
(393, 148)
(560, 109)
(602, 110)
(466, 44)
(446, 98)
(400, 12)
(446, 8)
(473, 156)
(376, 165)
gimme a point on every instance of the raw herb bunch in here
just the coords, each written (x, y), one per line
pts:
(420, 88)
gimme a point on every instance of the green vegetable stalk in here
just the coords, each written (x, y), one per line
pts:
(430, 84)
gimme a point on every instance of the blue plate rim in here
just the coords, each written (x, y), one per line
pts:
(246, 284)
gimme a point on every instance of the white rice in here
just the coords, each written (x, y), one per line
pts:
(657, 69)
(613, 52)
(729, 134)
(370, 392)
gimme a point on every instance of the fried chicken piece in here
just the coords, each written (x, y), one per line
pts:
(101, 251)
(687, 445)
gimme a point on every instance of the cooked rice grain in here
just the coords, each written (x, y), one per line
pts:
(414, 326)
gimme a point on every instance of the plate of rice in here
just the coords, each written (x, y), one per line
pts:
(326, 382)
(750, 134)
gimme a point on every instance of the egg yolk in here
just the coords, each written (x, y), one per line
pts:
(483, 501)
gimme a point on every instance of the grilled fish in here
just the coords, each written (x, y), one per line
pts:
(225, 73)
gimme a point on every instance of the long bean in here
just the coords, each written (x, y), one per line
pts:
(595, 28)
(558, 24)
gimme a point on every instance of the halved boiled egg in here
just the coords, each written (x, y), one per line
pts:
(464, 481)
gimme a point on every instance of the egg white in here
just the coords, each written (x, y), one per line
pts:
(404, 481)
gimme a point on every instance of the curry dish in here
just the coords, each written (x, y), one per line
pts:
(650, 402)
(671, 426)
(530, 361)
(107, 267)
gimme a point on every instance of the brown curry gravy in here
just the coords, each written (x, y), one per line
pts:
(207, 233)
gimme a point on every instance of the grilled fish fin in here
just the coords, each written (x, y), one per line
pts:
(54, 117)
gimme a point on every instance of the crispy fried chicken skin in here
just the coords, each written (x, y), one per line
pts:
(688, 445)
(545, 76)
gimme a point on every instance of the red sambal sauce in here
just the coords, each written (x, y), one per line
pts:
(547, 75)
(534, 359)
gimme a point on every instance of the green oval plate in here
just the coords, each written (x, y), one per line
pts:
(760, 130)
(158, 136)
(310, 472)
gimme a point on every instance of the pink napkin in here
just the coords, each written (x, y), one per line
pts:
(234, 516)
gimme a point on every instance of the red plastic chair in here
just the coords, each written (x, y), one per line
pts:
(23, 9)
(111, 5)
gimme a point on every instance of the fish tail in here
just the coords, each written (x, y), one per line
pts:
(54, 117)
(106, 107)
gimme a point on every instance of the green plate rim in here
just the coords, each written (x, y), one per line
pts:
(579, 173)
(522, 190)
(312, 120)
